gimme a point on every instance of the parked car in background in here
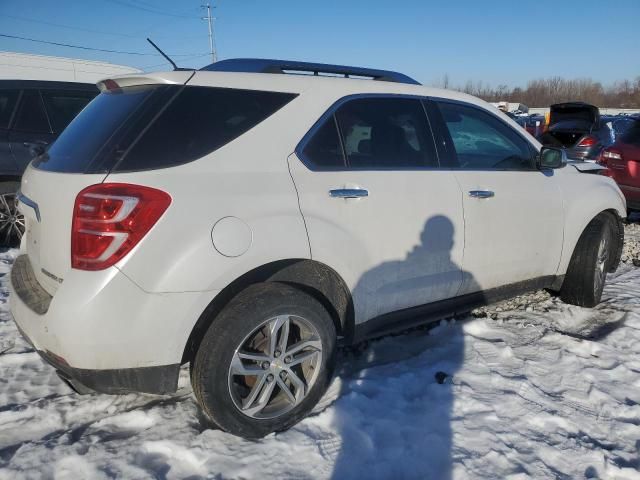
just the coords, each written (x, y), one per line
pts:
(247, 220)
(578, 128)
(622, 160)
(32, 114)
(39, 96)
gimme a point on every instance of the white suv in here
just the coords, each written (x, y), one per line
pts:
(248, 219)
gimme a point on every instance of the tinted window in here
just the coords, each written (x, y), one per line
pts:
(153, 127)
(199, 121)
(31, 116)
(8, 100)
(92, 141)
(482, 141)
(63, 106)
(386, 133)
(323, 150)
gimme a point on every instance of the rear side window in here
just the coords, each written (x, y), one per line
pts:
(8, 99)
(386, 133)
(62, 106)
(150, 127)
(31, 116)
(483, 142)
(199, 121)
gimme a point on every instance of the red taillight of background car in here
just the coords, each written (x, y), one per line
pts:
(609, 154)
(588, 142)
(109, 219)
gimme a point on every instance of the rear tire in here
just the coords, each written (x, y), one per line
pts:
(11, 221)
(592, 258)
(250, 375)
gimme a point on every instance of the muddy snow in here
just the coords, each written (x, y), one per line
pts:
(527, 388)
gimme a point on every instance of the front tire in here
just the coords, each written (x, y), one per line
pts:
(265, 361)
(592, 258)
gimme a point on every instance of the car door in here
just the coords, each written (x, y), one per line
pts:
(513, 212)
(8, 100)
(30, 129)
(377, 208)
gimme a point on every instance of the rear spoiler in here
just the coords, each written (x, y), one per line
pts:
(180, 77)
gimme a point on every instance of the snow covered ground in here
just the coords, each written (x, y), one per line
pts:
(544, 391)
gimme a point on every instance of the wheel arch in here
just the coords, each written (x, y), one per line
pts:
(313, 277)
(618, 226)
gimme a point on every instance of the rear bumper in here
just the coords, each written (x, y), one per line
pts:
(155, 380)
(102, 332)
(585, 153)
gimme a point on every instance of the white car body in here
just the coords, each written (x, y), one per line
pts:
(254, 203)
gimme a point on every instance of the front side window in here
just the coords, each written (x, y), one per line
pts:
(483, 142)
(386, 133)
(8, 99)
(62, 106)
(31, 116)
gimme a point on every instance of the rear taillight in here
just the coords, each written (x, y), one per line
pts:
(109, 219)
(588, 142)
(609, 154)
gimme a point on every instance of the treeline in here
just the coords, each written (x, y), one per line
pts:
(546, 91)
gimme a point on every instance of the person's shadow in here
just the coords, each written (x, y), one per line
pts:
(394, 421)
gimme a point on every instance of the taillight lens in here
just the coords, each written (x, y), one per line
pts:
(588, 142)
(109, 219)
(609, 154)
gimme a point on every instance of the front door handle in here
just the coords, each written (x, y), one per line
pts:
(481, 193)
(349, 193)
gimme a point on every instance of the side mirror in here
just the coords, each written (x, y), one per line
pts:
(551, 157)
(36, 148)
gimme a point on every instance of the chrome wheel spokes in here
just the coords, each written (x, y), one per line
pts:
(601, 262)
(275, 366)
(11, 221)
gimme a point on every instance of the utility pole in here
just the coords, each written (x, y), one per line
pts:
(212, 41)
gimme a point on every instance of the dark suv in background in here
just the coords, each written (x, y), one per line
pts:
(32, 114)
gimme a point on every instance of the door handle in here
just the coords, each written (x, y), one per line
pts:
(481, 194)
(349, 193)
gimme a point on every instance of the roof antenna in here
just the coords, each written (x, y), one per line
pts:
(175, 67)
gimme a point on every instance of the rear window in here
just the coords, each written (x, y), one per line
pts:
(144, 128)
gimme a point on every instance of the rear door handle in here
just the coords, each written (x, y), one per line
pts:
(349, 193)
(481, 194)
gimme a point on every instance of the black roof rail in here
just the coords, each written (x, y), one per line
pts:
(263, 65)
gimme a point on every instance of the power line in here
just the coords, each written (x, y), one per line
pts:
(43, 22)
(90, 48)
(150, 10)
(90, 30)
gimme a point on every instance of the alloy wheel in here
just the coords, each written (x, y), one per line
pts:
(275, 367)
(11, 220)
